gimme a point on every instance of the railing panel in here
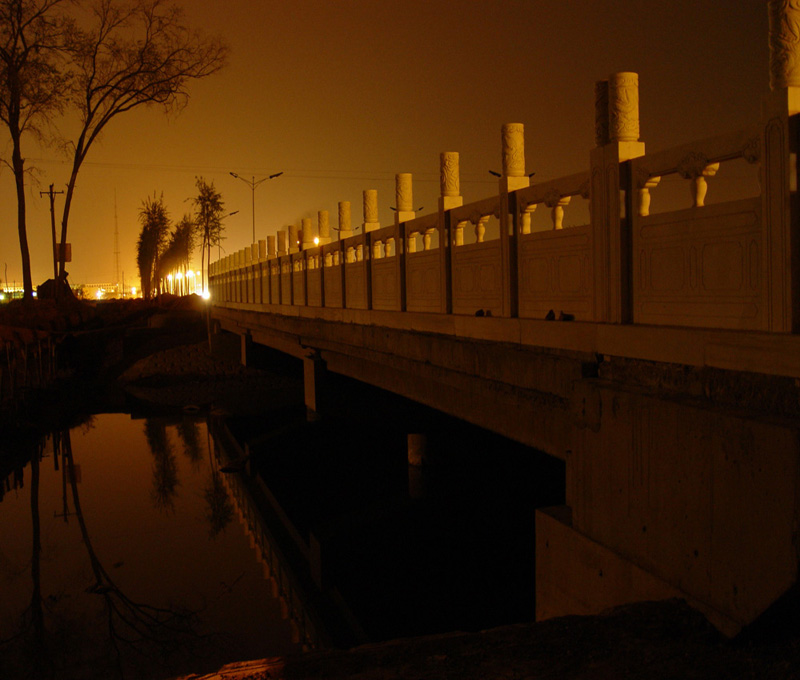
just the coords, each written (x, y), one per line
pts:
(555, 273)
(314, 287)
(265, 281)
(386, 292)
(251, 284)
(477, 279)
(355, 285)
(298, 278)
(384, 271)
(333, 286)
(275, 281)
(286, 280)
(700, 267)
(424, 281)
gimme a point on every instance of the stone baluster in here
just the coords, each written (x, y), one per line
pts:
(283, 242)
(557, 203)
(371, 222)
(458, 233)
(271, 247)
(377, 250)
(480, 228)
(695, 167)
(345, 228)
(525, 218)
(329, 259)
(324, 227)
(426, 239)
(449, 181)
(644, 194)
(404, 198)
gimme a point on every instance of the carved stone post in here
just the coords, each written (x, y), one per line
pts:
(283, 242)
(779, 167)
(308, 233)
(262, 249)
(784, 43)
(323, 220)
(371, 210)
(513, 136)
(404, 198)
(294, 246)
(617, 138)
(345, 226)
(449, 180)
(623, 107)
(271, 247)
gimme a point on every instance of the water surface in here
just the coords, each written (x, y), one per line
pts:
(142, 567)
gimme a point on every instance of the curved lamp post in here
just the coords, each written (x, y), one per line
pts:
(253, 183)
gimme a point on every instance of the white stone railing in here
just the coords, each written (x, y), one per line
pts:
(733, 265)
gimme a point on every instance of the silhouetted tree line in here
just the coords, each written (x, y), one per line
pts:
(161, 251)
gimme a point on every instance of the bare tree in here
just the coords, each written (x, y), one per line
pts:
(33, 85)
(136, 53)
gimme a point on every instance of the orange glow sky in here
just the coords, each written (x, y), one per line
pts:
(342, 94)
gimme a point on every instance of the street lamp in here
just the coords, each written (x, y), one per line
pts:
(253, 183)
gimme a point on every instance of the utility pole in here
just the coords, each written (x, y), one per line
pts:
(52, 195)
(116, 249)
(253, 184)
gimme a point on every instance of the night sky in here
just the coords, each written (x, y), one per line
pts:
(342, 94)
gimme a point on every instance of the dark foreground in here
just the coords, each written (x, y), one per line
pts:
(652, 641)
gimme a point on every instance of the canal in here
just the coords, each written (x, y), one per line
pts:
(150, 547)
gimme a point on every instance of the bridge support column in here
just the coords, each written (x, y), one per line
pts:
(246, 356)
(313, 376)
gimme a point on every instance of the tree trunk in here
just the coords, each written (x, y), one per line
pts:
(19, 178)
(65, 215)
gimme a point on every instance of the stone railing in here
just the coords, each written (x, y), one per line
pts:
(732, 264)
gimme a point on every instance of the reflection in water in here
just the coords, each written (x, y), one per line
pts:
(219, 511)
(165, 468)
(116, 589)
(190, 436)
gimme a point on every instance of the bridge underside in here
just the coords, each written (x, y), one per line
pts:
(683, 475)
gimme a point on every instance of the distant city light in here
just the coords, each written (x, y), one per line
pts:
(133, 291)
(206, 295)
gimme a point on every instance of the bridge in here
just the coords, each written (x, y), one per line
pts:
(656, 352)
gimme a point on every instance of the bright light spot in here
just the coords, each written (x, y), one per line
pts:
(133, 291)
(169, 277)
(190, 273)
(206, 295)
(179, 275)
(316, 240)
(2, 296)
(197, 274)
(99, 294)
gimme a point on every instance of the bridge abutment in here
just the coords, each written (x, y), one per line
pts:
(671, 496)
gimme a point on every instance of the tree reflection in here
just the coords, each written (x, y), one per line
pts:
(219, 509)
(134, 636)
(138, 626)
(190, 436)
(165, 466)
